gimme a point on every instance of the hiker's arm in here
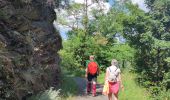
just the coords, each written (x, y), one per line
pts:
(86, 72)
(98, 70)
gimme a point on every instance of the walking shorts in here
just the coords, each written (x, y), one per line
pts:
(91, 77)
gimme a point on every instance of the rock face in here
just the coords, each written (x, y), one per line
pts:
(29, 43)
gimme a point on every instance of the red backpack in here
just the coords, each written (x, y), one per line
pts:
(92, 68)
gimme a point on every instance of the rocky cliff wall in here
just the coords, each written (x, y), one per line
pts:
(29, 43)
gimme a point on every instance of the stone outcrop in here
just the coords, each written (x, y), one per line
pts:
(29, 61)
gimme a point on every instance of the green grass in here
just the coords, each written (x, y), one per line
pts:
(65, 91)
(68, 88)
(132, 91)
(100, 78)
(50, 94)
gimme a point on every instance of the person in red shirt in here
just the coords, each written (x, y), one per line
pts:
(92, 71)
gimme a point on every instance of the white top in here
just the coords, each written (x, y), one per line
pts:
(113, 68)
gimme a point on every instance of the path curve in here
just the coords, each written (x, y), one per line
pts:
(81, 83)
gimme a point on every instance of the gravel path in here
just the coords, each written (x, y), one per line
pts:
(81, 83)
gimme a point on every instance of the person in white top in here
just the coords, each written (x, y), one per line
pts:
(113, 77)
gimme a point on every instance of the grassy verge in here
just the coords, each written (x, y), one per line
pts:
(68, 88)
(132, 91)
(65, 91)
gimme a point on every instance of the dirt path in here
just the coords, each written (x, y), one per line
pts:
(81, 83)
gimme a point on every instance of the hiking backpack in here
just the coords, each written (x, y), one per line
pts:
(113, 75)
(92, 68)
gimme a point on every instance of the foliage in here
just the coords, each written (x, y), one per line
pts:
(148, 34)
(100, 39)
(96, 45)
(76, 50)
(147, 42)
(74, 11)
(111, 27)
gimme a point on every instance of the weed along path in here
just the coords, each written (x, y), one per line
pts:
(81, 83)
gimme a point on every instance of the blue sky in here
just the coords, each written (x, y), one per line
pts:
(110, 2)
(63, 29)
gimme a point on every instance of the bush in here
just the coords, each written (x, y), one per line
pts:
(163, 95)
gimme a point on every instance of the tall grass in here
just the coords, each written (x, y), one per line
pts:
(68, 88)
(64, 91)
(132, 91)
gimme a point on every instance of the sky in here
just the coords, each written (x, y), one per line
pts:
(141, 4)
(63, 29)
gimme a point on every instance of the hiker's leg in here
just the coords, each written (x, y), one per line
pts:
(110, 96)
(115, 96)
(116, 90)
(89, 80)
(94, 88)
(88, 86)
(94, 80)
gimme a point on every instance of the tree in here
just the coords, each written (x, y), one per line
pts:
(149, 34)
